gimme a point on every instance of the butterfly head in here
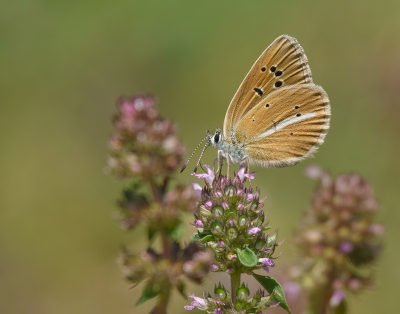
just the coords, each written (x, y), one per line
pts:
(215, 139)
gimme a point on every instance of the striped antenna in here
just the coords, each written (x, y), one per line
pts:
(201, 155)
(185, 165)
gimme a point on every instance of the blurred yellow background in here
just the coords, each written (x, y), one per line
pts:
(64, 63)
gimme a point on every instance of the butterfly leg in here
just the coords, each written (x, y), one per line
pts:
(247, 170)
(215, 160)
(220, 152)
(227, 164)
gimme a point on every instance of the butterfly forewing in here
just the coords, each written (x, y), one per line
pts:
(282, 64)
(286, 126)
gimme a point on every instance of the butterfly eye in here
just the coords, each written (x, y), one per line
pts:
(216, 138)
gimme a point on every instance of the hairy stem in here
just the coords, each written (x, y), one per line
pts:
(235, 283)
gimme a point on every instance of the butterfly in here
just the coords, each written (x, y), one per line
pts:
(278, 116)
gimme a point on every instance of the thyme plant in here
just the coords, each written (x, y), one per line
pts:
(145, 152)
(231, 222)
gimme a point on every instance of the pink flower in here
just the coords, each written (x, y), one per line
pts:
(127, 108)
(254, 230)
(266, 262)
(313, 172)
(250, 175)
(239, 192)
(225, 205)
(240, 206)
(221, 243)
(218, 194)
(346, 247)
(208, 205)
(200, 303)
(376, 229)
(229, 270)
(197, 189)
(250, 197)
(336, 298)
(208, 177)
(243, 175)
(199, 223)
(214, 267)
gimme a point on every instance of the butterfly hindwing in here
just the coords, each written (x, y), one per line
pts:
(286, 126)
(282, 64)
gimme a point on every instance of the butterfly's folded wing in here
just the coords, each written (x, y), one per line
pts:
(282, 64)
(286, 126)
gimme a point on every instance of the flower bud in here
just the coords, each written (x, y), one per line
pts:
(232, 233)
(216, 227)
(230, 256)
(220, 292)
(242, 292)
(254, 205)
(214, 267)
(250, 197)
(230, 190)
(242, 220)
(217, 211)
(199, 224)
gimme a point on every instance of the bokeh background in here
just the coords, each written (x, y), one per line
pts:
(64, 63)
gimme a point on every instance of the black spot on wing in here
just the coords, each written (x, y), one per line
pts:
(259, 91)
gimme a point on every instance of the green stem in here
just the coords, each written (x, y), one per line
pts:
(161, 307)
(235, 283)
(166, 243)
(320, 300)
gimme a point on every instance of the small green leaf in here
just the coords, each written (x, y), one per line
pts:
(195, 237)
(247, 257)
(207, 238)
(150, 291)
(202, 237)
(266, 228)
(270, 284)
(181, 289)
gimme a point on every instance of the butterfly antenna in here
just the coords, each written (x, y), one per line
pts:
(201, 155)
(185, 165)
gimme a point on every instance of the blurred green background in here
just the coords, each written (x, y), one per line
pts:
(64, 63)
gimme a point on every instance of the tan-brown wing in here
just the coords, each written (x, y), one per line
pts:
(283, 63)
(285, 127)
